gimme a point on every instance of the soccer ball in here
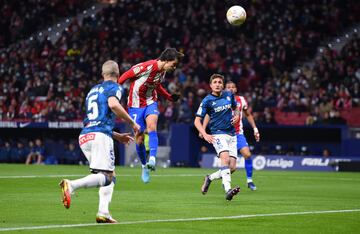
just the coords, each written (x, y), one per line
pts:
(236, 15)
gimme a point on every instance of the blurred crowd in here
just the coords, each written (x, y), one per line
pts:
(19, 19)
(35, 151)
(42, 81)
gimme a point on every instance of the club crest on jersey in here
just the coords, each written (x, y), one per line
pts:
(213, 103)
(228, 98)
(136, 70)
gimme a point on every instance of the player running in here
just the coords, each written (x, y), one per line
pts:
(219, 105)
(102, 106)
(242, 144)
(145, 86)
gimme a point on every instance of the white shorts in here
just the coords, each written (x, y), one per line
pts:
(225, 142)
(99, 150)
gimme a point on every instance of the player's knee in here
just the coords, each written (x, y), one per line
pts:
(245, 152)
(232, 169)
(151, 127)
(247, 155)
(140, 139)
(225, 161)
(108, 178)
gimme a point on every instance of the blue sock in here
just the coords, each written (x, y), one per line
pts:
(153, 143)
(140, 149)
(249, 167)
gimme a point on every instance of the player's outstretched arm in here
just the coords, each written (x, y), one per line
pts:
(120, 112)
(200, 128)
(129, 74)
(251, 121)
(124, 138)
(170, 97)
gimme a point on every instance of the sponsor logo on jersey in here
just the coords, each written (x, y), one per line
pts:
(86, 138)
(92, 123)
(221, 108)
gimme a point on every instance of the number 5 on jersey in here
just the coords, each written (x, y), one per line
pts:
(92, 107)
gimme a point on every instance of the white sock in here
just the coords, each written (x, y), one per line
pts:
(248, 180)
(216, 175)
(152, 158)
(105, 195)
(92, 180)
(226, 179)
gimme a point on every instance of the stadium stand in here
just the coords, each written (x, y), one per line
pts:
(52, 78)
(20, 19)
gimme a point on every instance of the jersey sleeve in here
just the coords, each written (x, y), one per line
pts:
(201, 112)
(134, 72)
(130, 74)
(244, 103)
(114, 91)
(162, 91)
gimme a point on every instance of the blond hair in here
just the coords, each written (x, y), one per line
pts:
(110, 68)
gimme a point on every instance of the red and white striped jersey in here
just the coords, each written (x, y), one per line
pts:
(242, 105)
(145, 84)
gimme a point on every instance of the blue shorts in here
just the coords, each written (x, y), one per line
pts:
(139, 114)
(241, 141)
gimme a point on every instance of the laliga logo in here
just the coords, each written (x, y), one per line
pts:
(259, 162)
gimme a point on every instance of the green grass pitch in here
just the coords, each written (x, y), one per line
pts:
(286, 202)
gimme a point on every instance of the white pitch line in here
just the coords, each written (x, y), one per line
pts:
(79, 175)
(163, 175)
(36, 176)
(179, 220)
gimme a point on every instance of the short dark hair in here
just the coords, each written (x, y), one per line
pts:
(170, 54)
(230, 82)
(214, 76)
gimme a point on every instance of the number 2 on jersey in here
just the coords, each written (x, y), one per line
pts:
(92, 107)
